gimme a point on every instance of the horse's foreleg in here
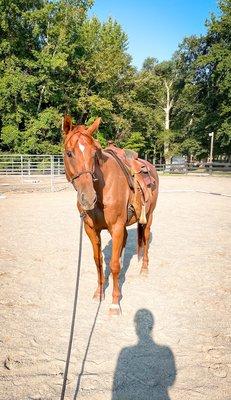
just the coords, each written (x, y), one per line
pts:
(146, 238)
(95, 239)
(118, 241)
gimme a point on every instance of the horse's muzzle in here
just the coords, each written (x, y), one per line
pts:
(87, 204)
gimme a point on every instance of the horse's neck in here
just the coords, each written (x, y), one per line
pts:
(107, 165)
(109, 168)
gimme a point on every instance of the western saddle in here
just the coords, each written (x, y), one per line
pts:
(138, 174)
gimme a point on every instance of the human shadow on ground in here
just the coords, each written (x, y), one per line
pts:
(129, 251)
(147, 370)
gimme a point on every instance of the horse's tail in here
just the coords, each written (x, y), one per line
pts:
(140, 237)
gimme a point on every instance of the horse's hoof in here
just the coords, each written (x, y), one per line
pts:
(144, 272)
(114, 309)
(98, 296)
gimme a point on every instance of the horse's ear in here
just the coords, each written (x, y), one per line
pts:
(66, 124)
(94, 126)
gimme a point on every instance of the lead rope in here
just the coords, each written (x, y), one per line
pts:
(73, 312)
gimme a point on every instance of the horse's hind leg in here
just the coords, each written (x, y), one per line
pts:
(146, 238)
(118, 242)
(124, 242)
(95, 239)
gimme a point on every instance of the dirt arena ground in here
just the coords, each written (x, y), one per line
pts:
(185, 299)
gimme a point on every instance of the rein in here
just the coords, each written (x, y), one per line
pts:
(73, 313)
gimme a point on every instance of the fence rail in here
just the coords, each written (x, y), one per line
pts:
(48, 170)
(185, 168)
(31, 164)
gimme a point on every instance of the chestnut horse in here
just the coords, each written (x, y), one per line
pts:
(103, 197)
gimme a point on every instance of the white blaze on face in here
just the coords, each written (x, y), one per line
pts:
(82, 147)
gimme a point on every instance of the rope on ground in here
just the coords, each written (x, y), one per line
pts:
(73, 313)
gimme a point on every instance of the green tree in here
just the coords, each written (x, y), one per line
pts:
(205, 69)
(55, 60)
(135, 142)
(38, 54)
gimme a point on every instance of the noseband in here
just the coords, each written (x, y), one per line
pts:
(82, 173)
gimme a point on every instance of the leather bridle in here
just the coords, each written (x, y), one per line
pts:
(92, 173)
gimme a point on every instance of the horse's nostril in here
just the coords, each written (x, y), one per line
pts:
(82, 197)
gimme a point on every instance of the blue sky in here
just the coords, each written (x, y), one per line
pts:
(156, 27)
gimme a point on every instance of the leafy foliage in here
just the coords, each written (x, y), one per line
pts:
(55, 60)
(135, 142)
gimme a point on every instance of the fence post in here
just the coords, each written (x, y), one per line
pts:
(186, 168)
(52, 173)
(58, 165)
(211, 168)
(21, 162)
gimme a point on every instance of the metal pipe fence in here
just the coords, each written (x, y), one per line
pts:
(196, 168)
(45, 170)
(44, 164)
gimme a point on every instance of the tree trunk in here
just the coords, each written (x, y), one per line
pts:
(40, 99)
(167, 109)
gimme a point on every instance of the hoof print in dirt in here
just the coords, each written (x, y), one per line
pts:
(9, 363)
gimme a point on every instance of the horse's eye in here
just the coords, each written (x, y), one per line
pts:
(69, 153)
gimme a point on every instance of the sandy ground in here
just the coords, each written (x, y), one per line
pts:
(186, 299)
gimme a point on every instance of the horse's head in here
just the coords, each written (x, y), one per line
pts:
(79, 159)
